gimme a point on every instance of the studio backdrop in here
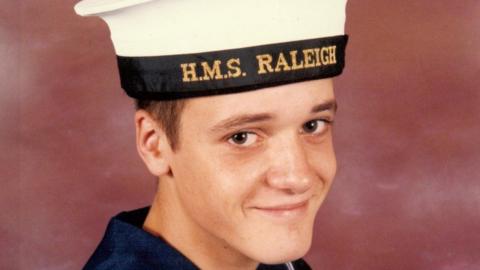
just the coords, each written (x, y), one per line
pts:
(407, 138)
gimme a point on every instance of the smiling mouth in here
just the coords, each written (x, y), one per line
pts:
(293, 210)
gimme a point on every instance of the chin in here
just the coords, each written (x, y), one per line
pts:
(275, 240)
(277, 256)
(282, 250)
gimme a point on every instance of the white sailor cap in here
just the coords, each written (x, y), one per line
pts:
(168, 49)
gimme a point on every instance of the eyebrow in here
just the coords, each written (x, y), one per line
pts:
(239, 120)
(326, 106)
(243, 119)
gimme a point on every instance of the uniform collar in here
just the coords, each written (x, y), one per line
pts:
(126, 245)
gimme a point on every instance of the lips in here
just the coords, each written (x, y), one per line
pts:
(284, 207)
(287, 212)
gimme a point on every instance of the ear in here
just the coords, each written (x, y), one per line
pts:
(152, 143)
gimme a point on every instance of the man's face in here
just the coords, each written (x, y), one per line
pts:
(253, 168)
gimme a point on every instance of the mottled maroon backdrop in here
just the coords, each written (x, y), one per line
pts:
(407, 194)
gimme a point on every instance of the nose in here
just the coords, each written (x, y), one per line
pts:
(290, 169)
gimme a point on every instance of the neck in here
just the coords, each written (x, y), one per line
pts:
(167, 218)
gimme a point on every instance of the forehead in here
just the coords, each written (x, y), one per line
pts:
(289, 98)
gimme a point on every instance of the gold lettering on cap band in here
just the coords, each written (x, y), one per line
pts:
(312, 57)
(211, 72)
(267, 63)
(234, 69)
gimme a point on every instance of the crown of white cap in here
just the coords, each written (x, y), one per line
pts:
(170, 27)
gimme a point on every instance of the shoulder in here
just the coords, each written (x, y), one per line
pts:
(126, 245)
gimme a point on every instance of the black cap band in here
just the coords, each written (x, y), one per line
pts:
(229, 71)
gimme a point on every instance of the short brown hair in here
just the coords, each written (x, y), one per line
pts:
(167, 114)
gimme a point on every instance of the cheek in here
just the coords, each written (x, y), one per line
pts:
(323, 161)
(213, 187)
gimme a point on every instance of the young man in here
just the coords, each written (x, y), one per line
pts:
(241, 173)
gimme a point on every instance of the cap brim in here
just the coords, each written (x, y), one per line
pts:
(92, 7)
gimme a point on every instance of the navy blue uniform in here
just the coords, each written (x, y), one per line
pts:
(127, 246)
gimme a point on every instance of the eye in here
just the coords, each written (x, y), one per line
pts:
(243, 138)
(315, 126)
